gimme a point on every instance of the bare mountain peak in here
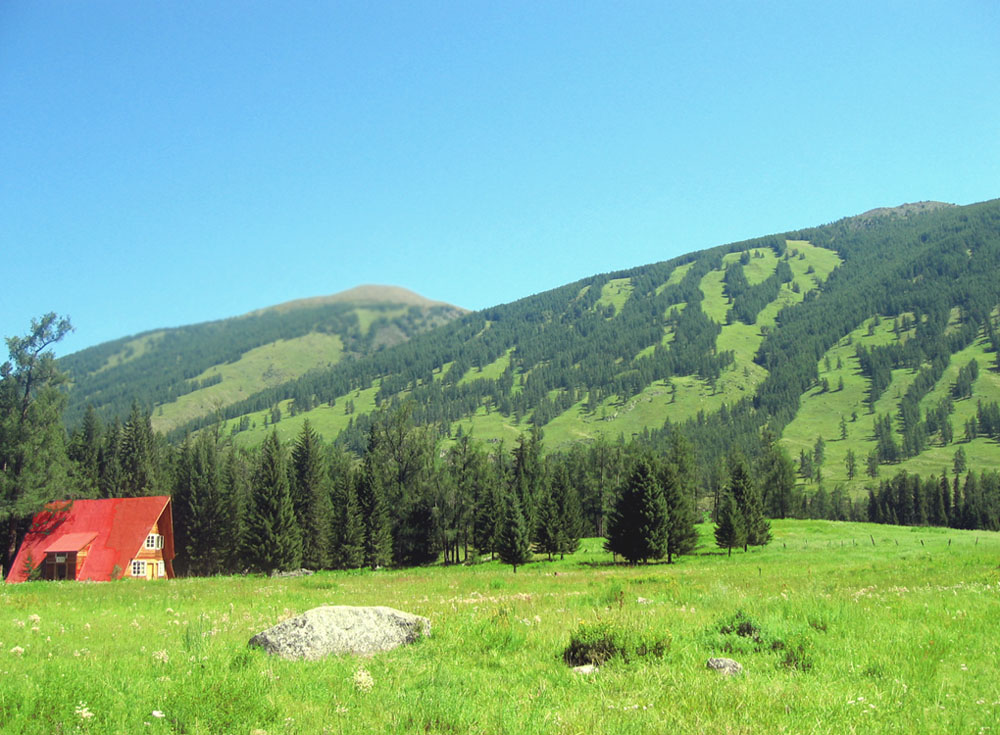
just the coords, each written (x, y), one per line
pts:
(364, 294)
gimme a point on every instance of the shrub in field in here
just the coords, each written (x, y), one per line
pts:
(743, 634)
(597, 643)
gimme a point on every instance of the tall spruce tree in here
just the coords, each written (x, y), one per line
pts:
(272, 539)
(349, 549)
(199, 508)
(32, 439)
(637, 527)
(679, 481)
(730, 529)
(311, 493)
(236, 474)
(137, 453)
(748, 501)
(569, 514)
(547, 535)
(375, 514)
(513, 539)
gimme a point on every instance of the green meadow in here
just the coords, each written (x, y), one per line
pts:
(840, 628)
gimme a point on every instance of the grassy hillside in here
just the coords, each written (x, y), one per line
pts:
(862, 628)
(867, 317)
(190, 373)
(821, 410)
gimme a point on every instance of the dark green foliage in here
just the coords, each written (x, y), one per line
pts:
(603, 641)
(776, 473)
(375, 513)
(679, 481)
(349, 531)
(32, 444)
(638, 524)
(311, 497)
(200, 508)
(513, 539)
(272, 539)
(746, 495)
(137, 454)
(730, 527)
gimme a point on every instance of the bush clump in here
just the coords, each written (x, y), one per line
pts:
(741, 633)
(597, 643)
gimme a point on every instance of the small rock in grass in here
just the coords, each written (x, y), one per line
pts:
(585, 670)
(725, 666)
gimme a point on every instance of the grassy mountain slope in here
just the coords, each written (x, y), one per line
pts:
(869, 318)
(192, 372)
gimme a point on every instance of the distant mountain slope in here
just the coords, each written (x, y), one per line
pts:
(861, 333)
(195, 371)
(724, 341)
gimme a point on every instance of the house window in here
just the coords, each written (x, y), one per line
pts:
(161, 569)
(154, 541)
(138, 568)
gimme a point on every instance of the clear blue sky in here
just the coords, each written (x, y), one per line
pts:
(164, 163)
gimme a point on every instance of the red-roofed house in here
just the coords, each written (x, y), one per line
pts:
(99, 540)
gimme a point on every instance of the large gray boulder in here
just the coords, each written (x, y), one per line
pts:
(337, 629)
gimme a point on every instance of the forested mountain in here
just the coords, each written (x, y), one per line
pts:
(863, 343)
(850, 370)
(194, 371)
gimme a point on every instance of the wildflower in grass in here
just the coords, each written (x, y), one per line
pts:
(82, 711)
(363, 680)
(161, 656)
(158, 714)
(34, 619)
(17, 651)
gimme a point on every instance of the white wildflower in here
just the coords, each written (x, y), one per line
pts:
(34, 619)
(161, 656)
(17, 651)
(363, 680)
(83, 712)
(157, 713)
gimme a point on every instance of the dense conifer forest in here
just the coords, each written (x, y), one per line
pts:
(729, 348)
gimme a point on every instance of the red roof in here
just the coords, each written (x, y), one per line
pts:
(69, 542)
(115, 528)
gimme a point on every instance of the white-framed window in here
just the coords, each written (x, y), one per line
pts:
(154, 541)
(138, 568)
(161, 569)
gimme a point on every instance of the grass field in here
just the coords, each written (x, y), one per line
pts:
(881, 630)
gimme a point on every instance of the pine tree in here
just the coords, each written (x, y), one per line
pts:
(679, 483)
(637, 528)
(85, 451)
(547, 532)
(311, 496)
(32, 439)
(236, 473)
(375, 514)
(730, 529)
(138, 455)
(513, 540)
(349, 552)
(273, 539)
(569, 514)
(199, 507)
(748, 502)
